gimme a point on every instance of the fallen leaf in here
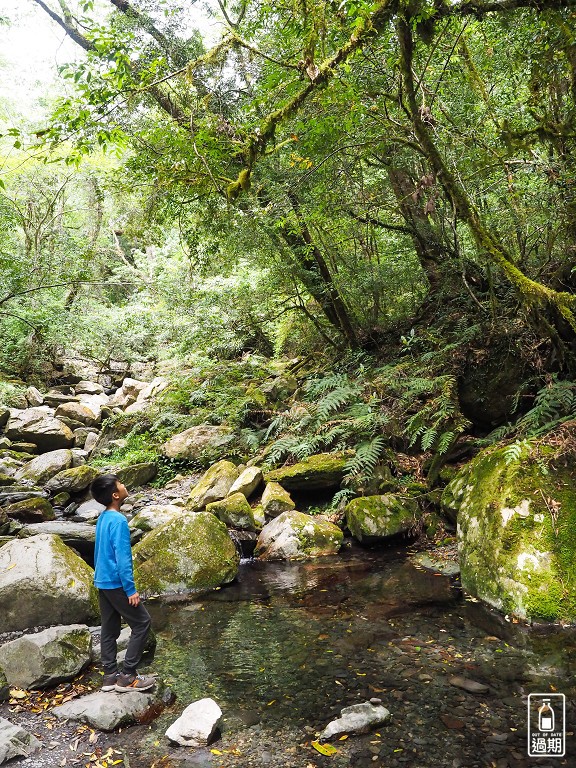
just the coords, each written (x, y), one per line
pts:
(18, 693)
(324, 749)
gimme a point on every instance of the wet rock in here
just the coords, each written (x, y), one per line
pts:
(43, 582)
(436, 562)
(276, 500)
(35, 510)
(154, 515)
(323, 471)
(296, 536)
(471, 686)
(214, 485)
(46, 658)
(377, 518)
(72, 480)
(196, 725)
(44, 467)
(248, 482)
(109, 710)
(196, 441)
(15, 741)
(235, 511)
(359, 718)
(137, 474)
(192, 551)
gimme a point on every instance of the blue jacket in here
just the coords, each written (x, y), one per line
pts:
(113, 554)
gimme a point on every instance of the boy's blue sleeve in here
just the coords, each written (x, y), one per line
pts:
(123, 552)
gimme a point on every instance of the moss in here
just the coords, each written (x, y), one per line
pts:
(321, 471)
(28, 510)
(6, 479)
(214, 485)
(79, 573)
(73, 480)
(234, 511)
(372, 518)
(296, 536)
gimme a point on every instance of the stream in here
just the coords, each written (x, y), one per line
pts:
(287, 645)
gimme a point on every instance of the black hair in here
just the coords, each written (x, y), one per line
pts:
(103, 487)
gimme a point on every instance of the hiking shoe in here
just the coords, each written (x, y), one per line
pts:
(109, 681)
(134, 682)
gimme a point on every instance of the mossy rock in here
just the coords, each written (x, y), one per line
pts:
(235, 511)
(215, 484)
(4, 687)
(517, 531)
(276, 500)
(34, 510)
(191, 552)
(296, 536)
(323, 471)
(137, 474)
(6, 479)
(43, 468)
(372, 519)
(72, 480)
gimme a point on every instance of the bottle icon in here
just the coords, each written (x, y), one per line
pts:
(546, 717)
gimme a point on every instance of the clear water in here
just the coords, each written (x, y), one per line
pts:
(286, 646)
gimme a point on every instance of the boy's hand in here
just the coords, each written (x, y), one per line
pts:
(134, 600)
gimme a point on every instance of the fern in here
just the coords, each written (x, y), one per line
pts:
(365, 460)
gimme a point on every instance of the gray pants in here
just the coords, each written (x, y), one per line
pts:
(114, 607)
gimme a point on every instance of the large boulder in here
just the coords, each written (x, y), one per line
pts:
(377, 518)
(296, 536)
(235, 511)
(34, 510)
(154, 515)
(88, 388)
(323, 471)
(196, 725)
(34, 397)
(248, 482)
(193, 551)
(15, 741)
(137, 474)
(276, 500)
(44, 467)
(516, 511)
(214, 485)
(196, 442)
(147, 394)
(94, 403)
(43, 582)
(72, 480)
(46, 658)
(36, 426)
(107, 710)
(77, 412)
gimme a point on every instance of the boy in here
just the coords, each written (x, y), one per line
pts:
(117, 595)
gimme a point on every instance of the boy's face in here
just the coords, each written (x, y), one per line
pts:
(120, 493)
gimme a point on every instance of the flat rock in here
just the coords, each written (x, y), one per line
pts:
(107, 710)
(88, 388)
(44, 467)
(36, 426)
(196, 725)
(359, 718)
(471, 686)
(15, 741)
(63, 528)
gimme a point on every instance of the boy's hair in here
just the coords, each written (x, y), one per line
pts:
(103, 487)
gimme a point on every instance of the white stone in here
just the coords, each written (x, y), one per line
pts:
(359, 718)
(248, 481)
(153, 516)
(108, 710)
(196, 725)
(15, 741)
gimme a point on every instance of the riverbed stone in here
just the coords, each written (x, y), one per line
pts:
(192, 551)
(323, 471)
(196, 725)
(34, 397)
(35, 510)
(88, 388)
(44, 467)
(46, 658)
(72, 480)
(235, 511)
(91, 441)
(214, 485)
(35, 426)
(377, 518)
(276, 500)
(77, 412)
(15, 741)
(43, 582)
(154, 515)
(358, 718)
(203, 439)
(296, 536)
(107, 710)
(516, 521)
(137, 474)
(250, 479)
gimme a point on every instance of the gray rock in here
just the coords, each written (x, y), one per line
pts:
(235, 511)
(46, 658)
(359, 718)
(35, 426)
(15, 741)
(77, 412)
(88, 388)
(153, 516)
(276, 500)
(43, 582)
(248, 482)
(24, 447)
(137, 474)
(322, 471)
(296, 536)
(193, 443)
(91, 441)
(55, 399)
(80, 435)
(72, 480)
(67, 531)
(471, 686)
(43, 467)
(196, 725)
(89, 511)
(15, 493)
(108, 710)
(34, 510)
(4, 416)
(78, 457)
(34, 397)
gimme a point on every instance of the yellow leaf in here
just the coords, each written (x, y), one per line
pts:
(271, 702)
(10, 567)
(343, 738)
(324, 749)
(215, 751)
